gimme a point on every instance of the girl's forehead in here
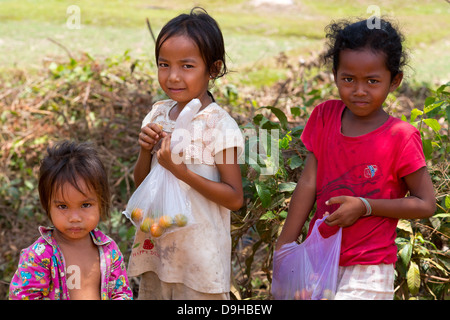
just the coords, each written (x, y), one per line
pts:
(68, 189)
(365, 58)
(179, 44)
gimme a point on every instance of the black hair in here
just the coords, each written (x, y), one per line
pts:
(199, 26)
(67, 162)
(381, 36)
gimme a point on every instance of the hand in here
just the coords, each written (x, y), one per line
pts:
(172, 162)
(350, 210)
(150, 135)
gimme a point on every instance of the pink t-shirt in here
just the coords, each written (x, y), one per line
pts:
(370, 166)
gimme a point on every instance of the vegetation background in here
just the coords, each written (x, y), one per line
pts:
(96, 80)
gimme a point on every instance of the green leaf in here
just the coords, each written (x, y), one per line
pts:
(433, 106)
(427, 148)
(405, 253)
(433, 124)
(404, 225)
(295, 161)
(287, 186)
(283, 214)
(263, 194)
(268, 216)
(441, 215)
(295, 111)
(413, 278)
(447, 111)
(414, 113)
(429, 101)
(280, 115)
(447, 202)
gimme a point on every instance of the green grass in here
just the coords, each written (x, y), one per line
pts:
(254, 36)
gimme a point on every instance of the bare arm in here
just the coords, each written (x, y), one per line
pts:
(301, 204)
(228, 192)
(421, 203)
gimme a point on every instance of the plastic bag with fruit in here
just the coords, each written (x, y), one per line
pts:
(161, 204)
(307, 271)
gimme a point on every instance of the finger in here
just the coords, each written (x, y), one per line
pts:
(145, 140)
(335, 200)
(156, 128)
(165, 144)
(329, 217)
(149, 131)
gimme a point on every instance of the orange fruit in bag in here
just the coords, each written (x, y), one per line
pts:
(165, 221)
(156, 230)
(136, 215)
(180, 220)
(146, 224)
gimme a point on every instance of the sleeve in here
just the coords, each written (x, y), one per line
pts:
(32, 280)
(412, 157)
(154, 112)
(225, 135)
(313, 129)
(120, 289)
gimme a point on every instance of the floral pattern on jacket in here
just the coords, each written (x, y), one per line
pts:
(41, 273)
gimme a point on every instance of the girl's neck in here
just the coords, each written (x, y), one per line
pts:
(206, 100)
(354, 126)
(65, 242)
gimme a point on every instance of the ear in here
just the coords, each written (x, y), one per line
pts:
(395, 83)
(215, 69)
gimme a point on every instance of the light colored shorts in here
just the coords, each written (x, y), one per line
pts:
(366, 282)
(152, 288)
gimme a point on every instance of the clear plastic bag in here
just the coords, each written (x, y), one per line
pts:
(161, 204)
(307, 271)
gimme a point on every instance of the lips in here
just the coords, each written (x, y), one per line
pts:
(176, 90)
(74, 230)
(360, 103)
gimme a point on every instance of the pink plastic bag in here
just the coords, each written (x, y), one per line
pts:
(307, 271)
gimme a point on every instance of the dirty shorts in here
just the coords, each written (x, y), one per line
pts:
(152, 288)
(366, 282)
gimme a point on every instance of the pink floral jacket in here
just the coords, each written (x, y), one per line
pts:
(41, 271)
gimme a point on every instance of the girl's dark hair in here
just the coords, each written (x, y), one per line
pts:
(377, 35)
(67, 162)
(199, 26)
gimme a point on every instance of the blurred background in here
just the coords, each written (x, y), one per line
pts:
(84, 70)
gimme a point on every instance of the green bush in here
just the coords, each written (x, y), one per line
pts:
(104, 102)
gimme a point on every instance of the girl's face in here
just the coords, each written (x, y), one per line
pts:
(74, 214)
(182, 72)
(364, 81)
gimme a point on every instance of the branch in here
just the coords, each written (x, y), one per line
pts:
(63, 47)
(151, 31)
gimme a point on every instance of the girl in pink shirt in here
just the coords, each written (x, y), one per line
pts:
(72, 260)
(362, 162)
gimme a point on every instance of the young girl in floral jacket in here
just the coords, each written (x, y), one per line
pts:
(72, 260)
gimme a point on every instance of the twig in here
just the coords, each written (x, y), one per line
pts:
(86, 95)
(433, 230)
(150, 29)
(60, 45)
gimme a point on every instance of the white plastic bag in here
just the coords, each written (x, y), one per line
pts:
(160, 204)
(307, 271)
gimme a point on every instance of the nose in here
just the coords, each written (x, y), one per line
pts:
(74, 216)
(174, 75)
(360, 89)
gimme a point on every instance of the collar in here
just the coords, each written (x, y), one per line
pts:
(98, 237)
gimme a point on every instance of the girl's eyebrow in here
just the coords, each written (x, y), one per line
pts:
(184, 60)
(84, 200)
(373, 75)
(345, 74)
